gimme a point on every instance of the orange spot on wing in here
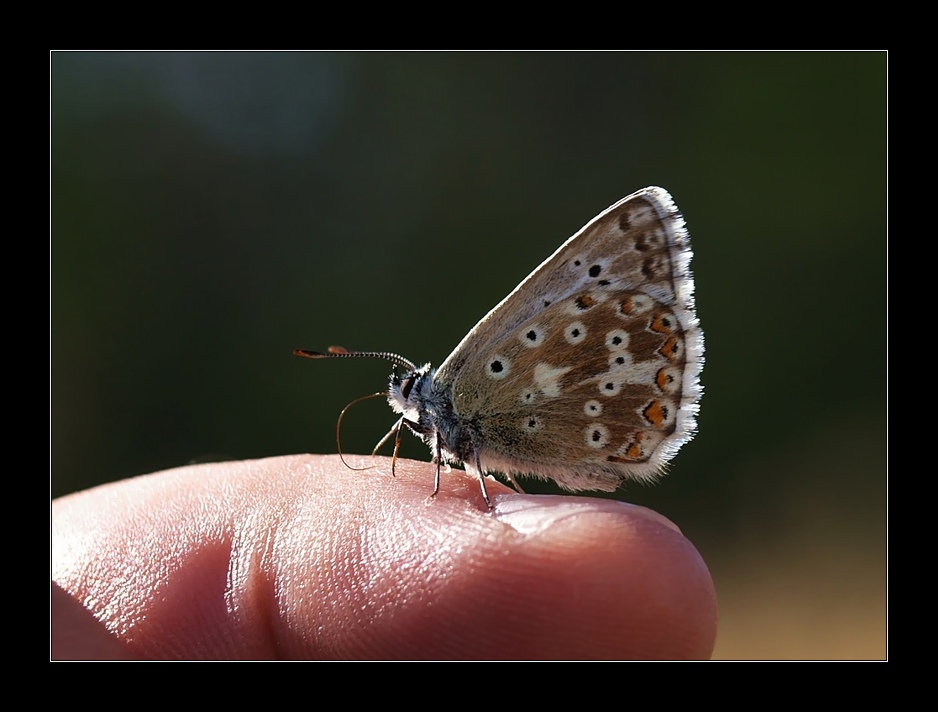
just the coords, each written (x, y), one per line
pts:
(656, 413)
(664, 379)
(671, 349)
(663, 324)
(633, 453)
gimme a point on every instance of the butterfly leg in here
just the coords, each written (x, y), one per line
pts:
(438, 459)
(514, 483)
(481, 475)
(399, 427)
(382, 441)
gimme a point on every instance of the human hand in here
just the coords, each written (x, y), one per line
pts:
(300, 557)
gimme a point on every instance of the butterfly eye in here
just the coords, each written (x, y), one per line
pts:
(406, 386)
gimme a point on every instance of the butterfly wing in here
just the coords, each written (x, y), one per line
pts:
(588, 372)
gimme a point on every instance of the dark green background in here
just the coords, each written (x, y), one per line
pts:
(213, 211)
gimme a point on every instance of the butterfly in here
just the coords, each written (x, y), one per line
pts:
(587, 374)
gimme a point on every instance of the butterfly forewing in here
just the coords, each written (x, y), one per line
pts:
(588, 372)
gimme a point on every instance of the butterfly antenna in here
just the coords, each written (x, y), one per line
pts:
(339, 352)
(338, 429)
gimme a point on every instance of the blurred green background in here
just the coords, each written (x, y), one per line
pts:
(213, 211)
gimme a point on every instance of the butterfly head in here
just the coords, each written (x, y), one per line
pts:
(410, 389)
(408, 395)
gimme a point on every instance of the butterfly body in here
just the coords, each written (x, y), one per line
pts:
(587, 374)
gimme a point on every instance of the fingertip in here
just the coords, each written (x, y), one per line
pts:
(623, 572)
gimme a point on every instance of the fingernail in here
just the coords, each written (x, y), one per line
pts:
(531, 514)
